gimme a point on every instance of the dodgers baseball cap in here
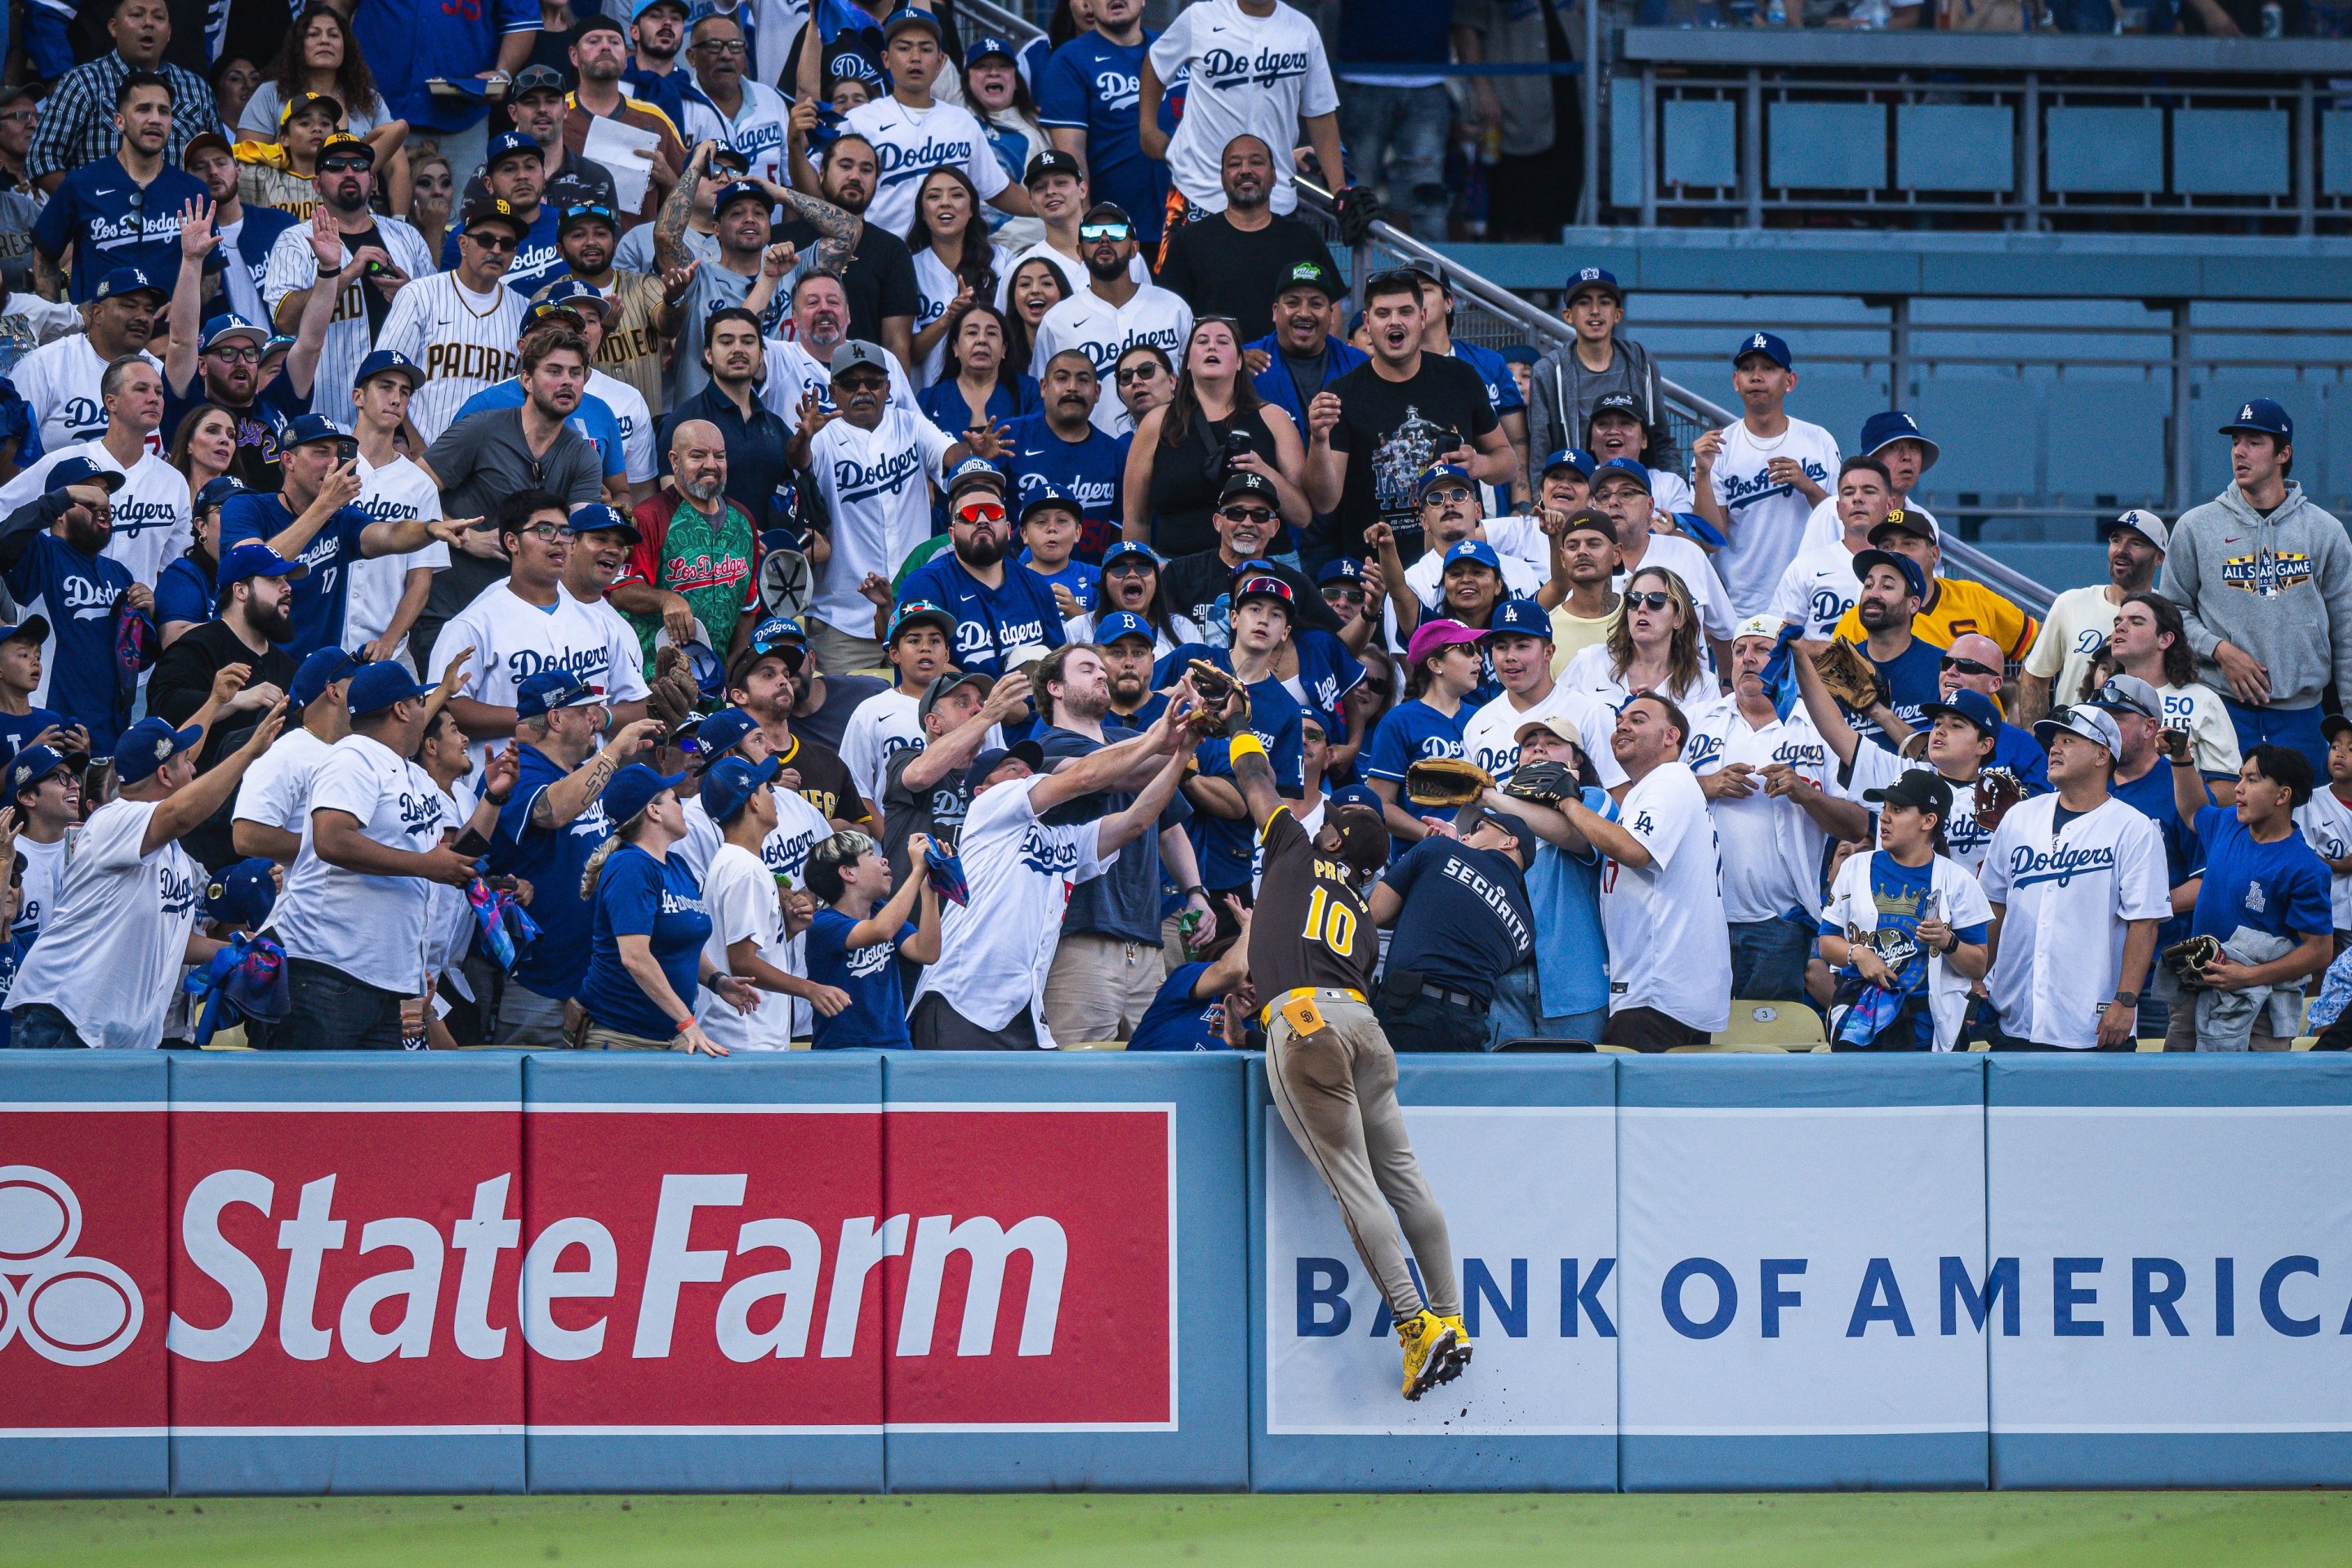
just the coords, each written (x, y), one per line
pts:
(1049, 495)
(220, 329)
(596, 517)
(1312, 275)
(1585, 278)
(1341, 569)
(944, 683)
(780, 635)
(388, 361)
(2142, 522)
(1919, 788)
(36, 628)
(1575, 457)
(1769, 345)
(508, 143)
(1883, 430)
(1123, 549)
(907, 17)
(732, 781)
(1621, 468)
(1969, 704)
(735, 191)
(633, 789)
(996, 757)
(121, 280)
(255, 559)
(81, 471)
(241, 894)
(980, 50)
(321, 669)
(1440, 473)
(1051, 160)
(2129, 694)
(1120, 624)
(1475, 550)
(2262, 416)
(1906, 568)
(218, 490)
(920, 612)
(1249, 482)
(1615, 403)
(572, 295)
(33, 764)
(1904, 519)
(1519, 619)
(859, 354)
(974, 471)
(2093, 724)
(546, 690)
(305, 429)
(149, 744)
(723, 731)
(376, 687)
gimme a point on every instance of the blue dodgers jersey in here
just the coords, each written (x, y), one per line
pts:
(1180, 1021)
(319, 598)
(1093, 85)
(551, 860)
(1413, 730)
(1226, 846)
(990, 622)
(408, 43)
(108, 220)
(1495, 370)
(876, 1018)
(538, 262)
(1089, 472)
(1328, 672)
(593, 419)
(2281, 888)
(75, 594)
(638, 894)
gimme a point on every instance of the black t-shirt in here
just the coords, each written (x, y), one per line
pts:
(1309, 927)
(1465, 919)
(937, 811)
(879, 279)
(826, 782)
(1196, 587)
(181, 681)
(1187, 476)
(1391, 429)
(1221, 270)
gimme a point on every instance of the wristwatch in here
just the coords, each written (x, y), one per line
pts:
(2127, 998)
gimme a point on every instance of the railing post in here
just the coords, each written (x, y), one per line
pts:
(1751, 161)
(2307, 160)
(1650, 134)
(1898, 350)
(1588, 205)
(1360, 263)
(2181, 439)
(2029, 177)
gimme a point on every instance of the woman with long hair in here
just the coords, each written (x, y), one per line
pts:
(1653, 647)
(1442, 669)
(1036, 288)
(955, 263)
(648, 931)
(979, 383)
(1000, 100)
(1215, 427)
(204, 446)
(187, 590)
(321, 55)
(432, 188)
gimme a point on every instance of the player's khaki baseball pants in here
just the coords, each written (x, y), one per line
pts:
(1337, 1094)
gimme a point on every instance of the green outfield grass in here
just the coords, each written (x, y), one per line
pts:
(2128, 1529)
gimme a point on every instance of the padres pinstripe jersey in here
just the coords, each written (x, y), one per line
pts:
(465, 340)
(292, 265)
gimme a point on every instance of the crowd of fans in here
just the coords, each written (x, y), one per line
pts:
(743, 562)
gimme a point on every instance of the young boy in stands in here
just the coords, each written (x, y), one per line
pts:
(1050, 526)
(852, 947)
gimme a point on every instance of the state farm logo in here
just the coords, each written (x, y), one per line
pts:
(75, 1311)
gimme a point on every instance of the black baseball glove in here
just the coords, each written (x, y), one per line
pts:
(1545, 782)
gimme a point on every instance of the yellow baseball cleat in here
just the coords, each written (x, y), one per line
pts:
(1429, 1345)
(1457, 1359)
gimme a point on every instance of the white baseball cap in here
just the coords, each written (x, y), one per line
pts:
(2145, 524)
(1759, 626)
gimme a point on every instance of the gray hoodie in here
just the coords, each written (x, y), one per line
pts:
(2278, 587)
(1564, 393)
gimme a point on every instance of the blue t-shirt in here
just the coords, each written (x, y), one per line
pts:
(594, 419)
(1088, 472)
(16, 729)
(876, 1018)
(1495, 370)
(184, 592)
(75, 594)
(2150, 795)
(1913, 680)
(1177, 1020)
(942, 404)
(638, 894)
(990, 622)
(1465, 919)
(407, 43)
(1093, 85)
(319, 598)
(550, 859)
(1275, 385)
(92, 211)
(1083, 581)
(2022, 754)
(1412, 729)
(1564, 895)
(2281, 888)
(1898, 892)
(1124, 902)
(538, 262)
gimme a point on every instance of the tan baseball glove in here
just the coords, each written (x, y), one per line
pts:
(1850, 677)
(1445, 781)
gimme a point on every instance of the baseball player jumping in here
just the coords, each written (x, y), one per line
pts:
(1311, 953)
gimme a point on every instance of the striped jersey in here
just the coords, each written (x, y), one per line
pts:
(465, 340)
(292, 265)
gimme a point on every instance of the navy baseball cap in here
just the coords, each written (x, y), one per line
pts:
(780, 635)
(1585, 278)
(1919, 788)
(222, 328)
(738, 191)
(255, 559)
(540, 693)
(730, 782)
(1049, 495)
(33, 764)
(81, 471)
(909, 16)
(33, 627)
(988, 762)
(1357, 795)
(1969, 704)
(1627, 467)
(1575, 457)
(980, 50)
(974, 471)
(1341, 569)
(388, 361)
(2262, 416)
(1521, 618)
(149, 744)
(1477, 550)
(1769, 345)
(121, 280)
(597, 518)
(920, 612)
(217, 491)
(1123, 548)
(1438, 473)
(305, 429)
(506, 145)
(241, 894)
(633, 789)
(723, 731)
(1913, 577)
(376, 687)
(1885, 429)
(1118, 624)
(572, 295)
(321, 670)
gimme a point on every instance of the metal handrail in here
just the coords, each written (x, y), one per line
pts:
(1005, 24)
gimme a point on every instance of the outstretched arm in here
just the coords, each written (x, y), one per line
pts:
(1105, 769)
(1124, 827)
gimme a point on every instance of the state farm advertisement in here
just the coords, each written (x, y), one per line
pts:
(642, 1268)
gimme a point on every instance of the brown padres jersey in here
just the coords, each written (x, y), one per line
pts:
(1309, 929)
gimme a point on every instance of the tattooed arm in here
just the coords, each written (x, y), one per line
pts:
(837, 229)
(669, 228)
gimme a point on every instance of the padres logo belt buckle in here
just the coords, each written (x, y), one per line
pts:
(1303, 1016)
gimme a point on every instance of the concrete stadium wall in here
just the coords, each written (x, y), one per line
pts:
(559, 1272)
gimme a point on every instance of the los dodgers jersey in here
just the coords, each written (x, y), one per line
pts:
(294, 266)
(465, 341)
(153, 517)
(1768, 516)
(2069, 893)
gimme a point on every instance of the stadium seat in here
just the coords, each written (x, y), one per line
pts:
(1532, 1043)
(1095, 1046)
(1722, 1049)
(1791, 1026)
